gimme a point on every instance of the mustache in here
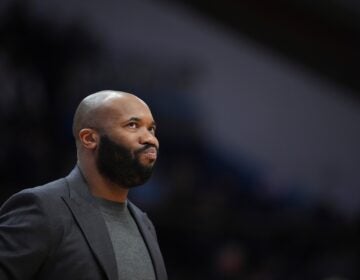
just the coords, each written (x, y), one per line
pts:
(147, 146)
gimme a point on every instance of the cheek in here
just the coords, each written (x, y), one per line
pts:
(126, 140)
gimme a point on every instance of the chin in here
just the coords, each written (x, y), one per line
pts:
(148, 164)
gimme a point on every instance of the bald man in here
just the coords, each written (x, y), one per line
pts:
(83, 226)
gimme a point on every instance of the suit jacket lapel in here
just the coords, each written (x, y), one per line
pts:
(91, 222)
(150, 241)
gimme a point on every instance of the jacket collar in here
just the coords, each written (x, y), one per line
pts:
(148, 233)
(91, 222)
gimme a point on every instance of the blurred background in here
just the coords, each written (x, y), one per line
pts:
(258, 112)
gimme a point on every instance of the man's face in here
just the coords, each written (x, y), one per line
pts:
(128, 148)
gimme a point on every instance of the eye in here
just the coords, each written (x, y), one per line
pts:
(152, 129)
(132, 125)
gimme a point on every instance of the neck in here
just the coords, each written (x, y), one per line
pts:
(100, 186)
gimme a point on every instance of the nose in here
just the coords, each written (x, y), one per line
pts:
(149, 138)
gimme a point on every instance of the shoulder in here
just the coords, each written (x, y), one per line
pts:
(32, 225)
(39, 210)
(142, 217)
(54, 188)
(46, 196)
(137, 212)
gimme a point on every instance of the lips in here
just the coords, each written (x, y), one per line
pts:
(150, 153)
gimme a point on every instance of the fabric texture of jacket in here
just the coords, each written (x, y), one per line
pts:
(56, 231)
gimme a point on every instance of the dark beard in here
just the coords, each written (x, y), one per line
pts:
(119, 165)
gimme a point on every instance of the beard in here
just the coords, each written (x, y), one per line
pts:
(120, 166)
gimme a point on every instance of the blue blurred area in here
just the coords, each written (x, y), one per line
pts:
(219, 214)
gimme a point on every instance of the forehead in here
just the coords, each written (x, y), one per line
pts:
(126, 107)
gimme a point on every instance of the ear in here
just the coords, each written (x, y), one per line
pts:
(89, 138)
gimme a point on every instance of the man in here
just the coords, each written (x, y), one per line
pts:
(83, 226)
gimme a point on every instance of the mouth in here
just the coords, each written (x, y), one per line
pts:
(150, 153)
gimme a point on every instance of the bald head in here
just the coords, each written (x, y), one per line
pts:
(94, 109)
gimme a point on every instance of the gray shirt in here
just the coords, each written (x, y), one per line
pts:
(132, 256)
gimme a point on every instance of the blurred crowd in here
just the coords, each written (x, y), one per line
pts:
(224, 228)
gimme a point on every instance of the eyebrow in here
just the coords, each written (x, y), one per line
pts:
(136, 119)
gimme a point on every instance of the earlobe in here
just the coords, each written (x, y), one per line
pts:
(88, 138)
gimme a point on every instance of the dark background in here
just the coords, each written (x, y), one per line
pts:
(212, 221)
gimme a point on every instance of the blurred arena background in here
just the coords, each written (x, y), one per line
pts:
(257, 104)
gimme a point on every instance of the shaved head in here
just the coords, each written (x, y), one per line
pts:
(90, 112)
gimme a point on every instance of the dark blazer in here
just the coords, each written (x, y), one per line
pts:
(56, 231)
